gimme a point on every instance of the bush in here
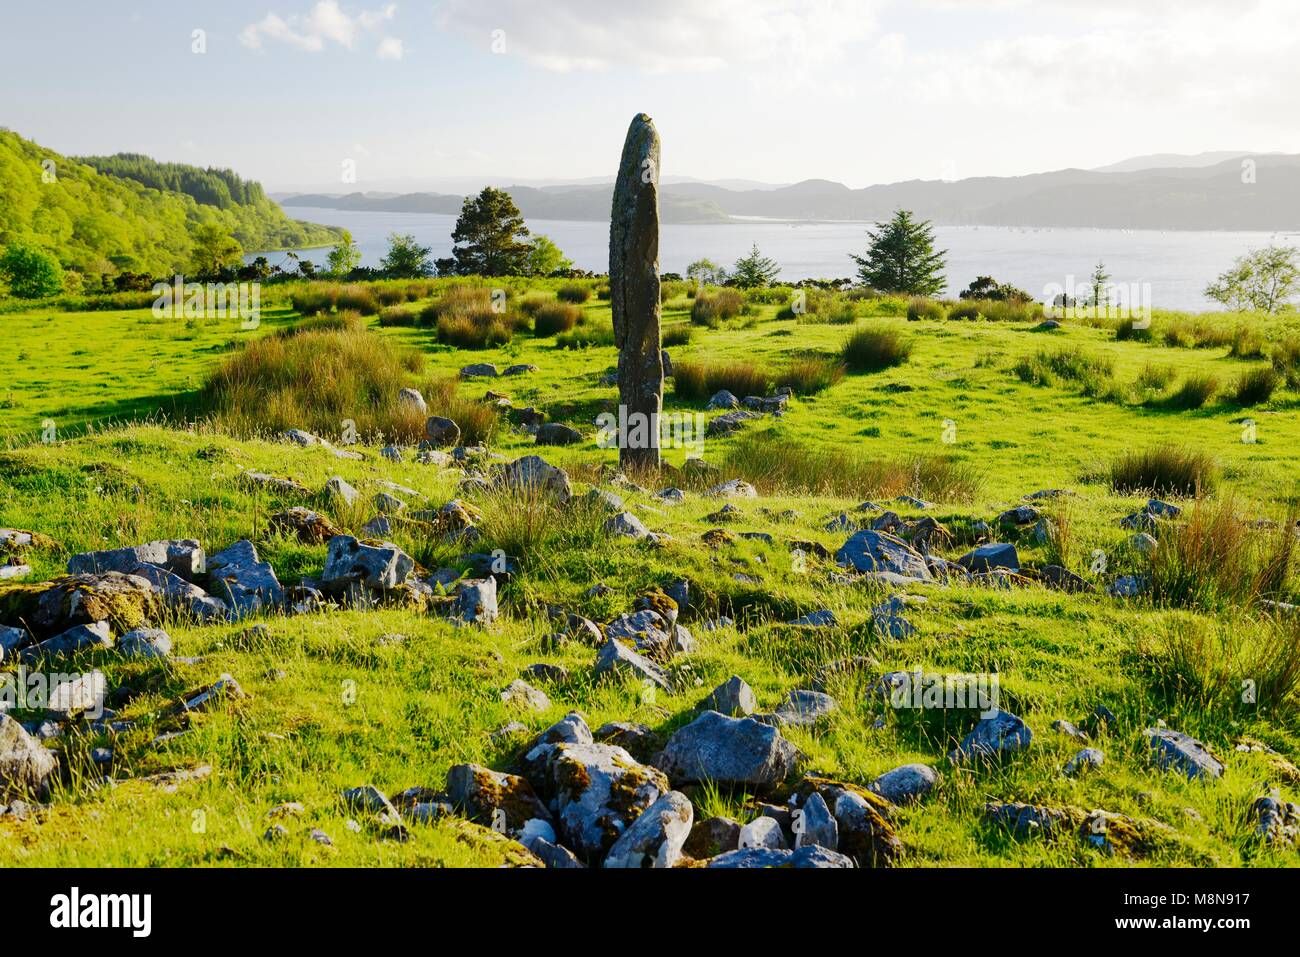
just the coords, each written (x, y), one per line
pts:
(1093, 373)
(1166, 470)
(315, 378)
(964, 310)
(552, 318)
(1213, 559)
(573, 292)
(478, 328)
(873, 348)
(1196, 390)
(806, 375)
(710, 308)
(1256, 386)
(1129, 331)
(314, 298)
(1247, 343)
(777, 464)
(586, 336)
(360, 298)
(922, 307)
(389, 295)
(1286, 360)
(531, 303)
(396, 316)
(1154, 378)
(696, 380)
(344, 321)
(678, 335)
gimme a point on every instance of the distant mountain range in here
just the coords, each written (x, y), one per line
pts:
(1217, 191)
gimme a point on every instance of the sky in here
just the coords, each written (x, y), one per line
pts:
(300, 94)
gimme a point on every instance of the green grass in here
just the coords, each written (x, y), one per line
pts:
(425, 704)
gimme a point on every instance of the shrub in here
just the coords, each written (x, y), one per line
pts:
(1165, 470)
(531, 303)
(479, 328)
(314, 298)
(1070, 365)
(964, 310)
(315, 378)
(585, 336)
(1128, 330)
(776, 464)
(1196, 390)
(603, 292)
(1286, 360)
(1154, 378)
(696, 380)
(710, 308)
(873, 348)
(805, 375)
(360, 298)
(389, 295)
(1256, 386)
(396, 316)
(573, 292)
(678, 335)
(1213, 559)
(346, 320)
(552, 318)
(922, 307)
(1204, 661)
(1247, 343)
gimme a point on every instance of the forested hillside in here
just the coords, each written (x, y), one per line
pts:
(132, 214)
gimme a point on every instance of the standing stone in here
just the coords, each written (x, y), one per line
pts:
(634, 293)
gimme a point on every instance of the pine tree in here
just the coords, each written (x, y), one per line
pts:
(901, 257)
(489, 237)
(754, 270)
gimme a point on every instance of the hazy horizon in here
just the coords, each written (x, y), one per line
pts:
(777, 91)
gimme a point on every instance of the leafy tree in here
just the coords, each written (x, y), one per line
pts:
(406, 259)
(489, 237)
(754, 270)
(1263, 279)
(30, 271)
(901, 257)
(1100, 285)
(986, 287)
(214, 250)
(544, 257)
(706, 272)
(344, 257)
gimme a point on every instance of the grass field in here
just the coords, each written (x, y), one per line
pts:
(333, 703)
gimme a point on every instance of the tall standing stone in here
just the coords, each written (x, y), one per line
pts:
(634, 295)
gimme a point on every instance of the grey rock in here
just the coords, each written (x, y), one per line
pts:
(1085, 760)
(553, 855)
(520, 694)
(349, 561)
(493, 799)
(184, 557)
(625, 525)
(801, 709)
(616, 658)
(25, 764)
(733, 697)
(906, 784)
(75, 639)
(595, 792)
(1019, 515)
(182, 597)
(82, 693)
(532, 473)
(1163, 509)
(249, 584)
(476, 601)
(1000, 733)
(762, 832)
(875, 551)
(816, 824)
(413, 398)
(825, 618)
(602, 500)
(655, 838)
(736, 488)
(987, 557)
(145, 643)
(723, 399)
(1175, 751)
(484, 369)
(726, 750)
(556, 433)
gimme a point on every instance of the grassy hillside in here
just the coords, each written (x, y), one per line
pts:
(138, 221)
(394, 697)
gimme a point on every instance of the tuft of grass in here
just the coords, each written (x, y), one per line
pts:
(711, 308)
(1286, 360)
(1165, 470)
(873, 348)
(481, 328)
(574, 293)
(678, 335)
(698, 380)
(552, 318)
(1196, 390)
(586, 336)
(806, 375)
(923, 307)
(391, 316)
(314, 380)
(1256, 386)
(1213, 559)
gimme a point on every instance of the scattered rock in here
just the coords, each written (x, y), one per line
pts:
(1000, 733)
(655, 839)
(555, 433)
(733, 697)
(1175, 751)
(906, 784)
(726, 750)
(874, 551)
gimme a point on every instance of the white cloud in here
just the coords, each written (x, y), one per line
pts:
(664, 36)
(326, 22)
